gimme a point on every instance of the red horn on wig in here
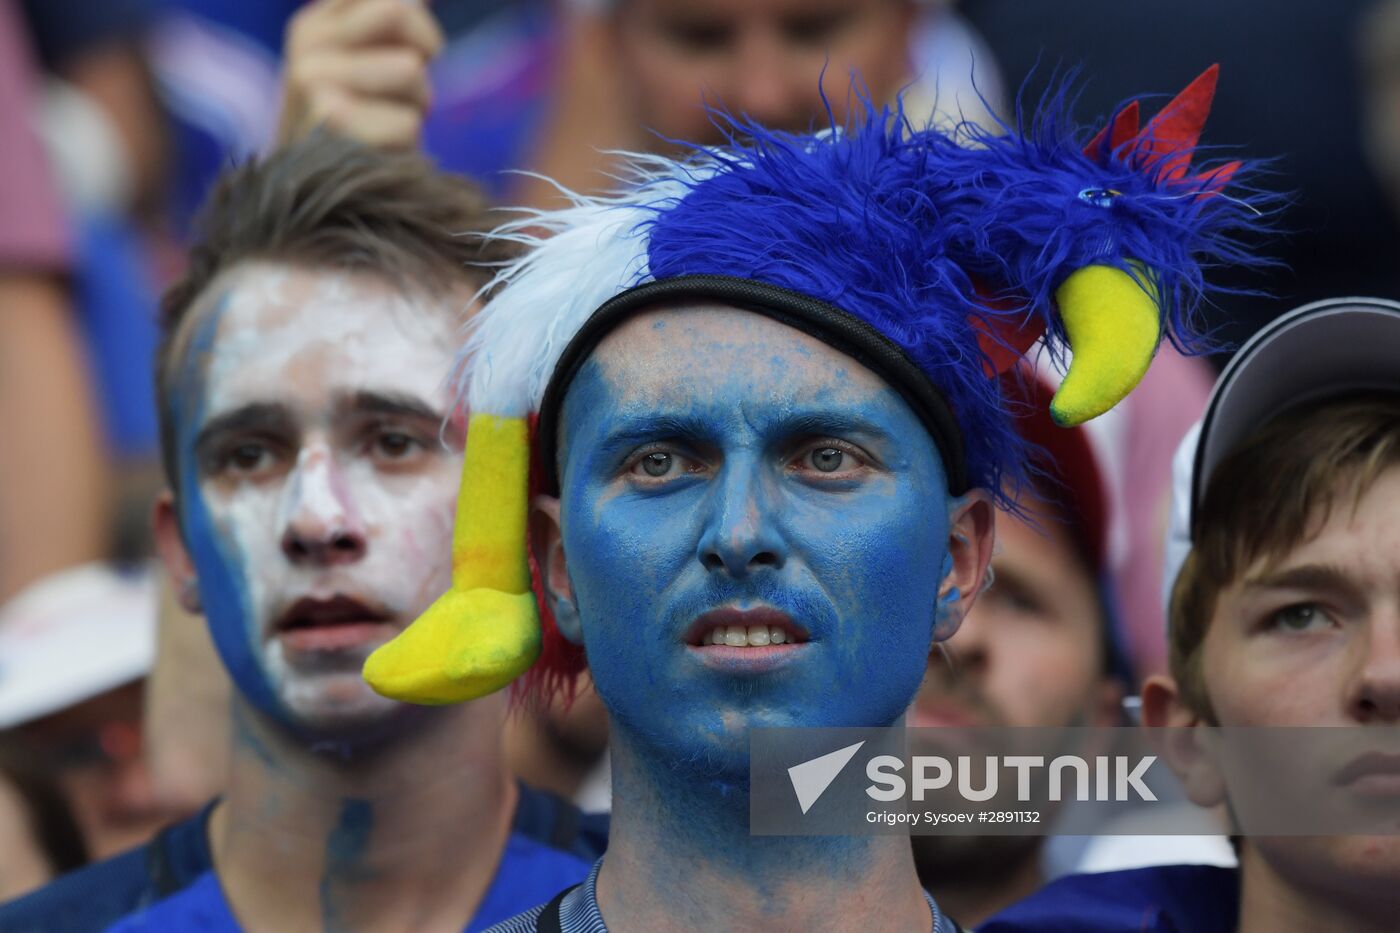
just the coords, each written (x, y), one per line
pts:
(1168, 139)
(1122, 128)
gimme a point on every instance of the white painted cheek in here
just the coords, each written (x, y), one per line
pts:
(408, 527)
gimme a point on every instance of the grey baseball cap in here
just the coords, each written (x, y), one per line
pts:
(1327, 348)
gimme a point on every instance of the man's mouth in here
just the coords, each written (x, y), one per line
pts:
(332, 623)
(744, 628)
(943, 714)
(746, 641)
(1373, 774)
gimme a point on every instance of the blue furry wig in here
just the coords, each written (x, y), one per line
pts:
(952, 245)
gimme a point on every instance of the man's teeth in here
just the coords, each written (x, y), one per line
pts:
(739, 636)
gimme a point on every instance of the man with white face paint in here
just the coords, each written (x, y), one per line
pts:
(313, 475)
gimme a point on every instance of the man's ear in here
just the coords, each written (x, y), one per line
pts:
(1180, 736)
(971, 536)
(547, 545)
(170, 545)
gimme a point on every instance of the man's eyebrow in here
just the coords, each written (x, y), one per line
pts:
(830, 422)
(632, 430)
(1303, 577)
(1009, 578)
(629, 431)
(393, 405)
(269, 417)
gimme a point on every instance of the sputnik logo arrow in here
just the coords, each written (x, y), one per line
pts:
(811, 778)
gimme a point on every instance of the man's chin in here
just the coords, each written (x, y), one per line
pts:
(710, 741)
(1363, 860)
(340, 704)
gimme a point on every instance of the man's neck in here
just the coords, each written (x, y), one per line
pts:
(311, 836)
(680, 857)
(1270, 903)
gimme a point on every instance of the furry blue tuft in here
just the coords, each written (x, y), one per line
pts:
(1037, 208)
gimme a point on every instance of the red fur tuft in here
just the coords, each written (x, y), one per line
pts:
(554, 677)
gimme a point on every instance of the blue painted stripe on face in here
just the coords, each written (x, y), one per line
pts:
(223, 584)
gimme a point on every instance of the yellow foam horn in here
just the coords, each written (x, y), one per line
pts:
(1113, 325)
(485, 631)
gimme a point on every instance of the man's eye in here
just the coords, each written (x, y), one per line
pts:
(817, 28)
(1013, 599)
(699, 36)
(829, 459)
(393, 445)
(1301, 617)
(658, 464)
(249, 458)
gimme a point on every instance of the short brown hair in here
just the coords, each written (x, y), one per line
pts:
(330, 203)
(1273, 492)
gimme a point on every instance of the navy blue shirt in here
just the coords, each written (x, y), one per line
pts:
(529, 873)
(548, 834)
(1162, 899)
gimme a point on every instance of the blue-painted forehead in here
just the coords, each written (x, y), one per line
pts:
(835, 327)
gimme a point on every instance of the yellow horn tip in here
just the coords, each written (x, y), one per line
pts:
(466, 645)
(1113, 326)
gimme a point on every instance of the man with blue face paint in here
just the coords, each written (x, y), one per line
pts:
(767, 447)
(313, 475)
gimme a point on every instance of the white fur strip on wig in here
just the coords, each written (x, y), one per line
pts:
(576, 258)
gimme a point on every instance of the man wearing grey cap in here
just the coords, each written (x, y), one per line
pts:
(1283, 583)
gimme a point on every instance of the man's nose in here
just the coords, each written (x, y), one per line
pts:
(320, 524)
(740, 535)
(1375, 693)
(764, 87)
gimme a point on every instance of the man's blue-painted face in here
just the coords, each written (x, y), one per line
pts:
(755, 528)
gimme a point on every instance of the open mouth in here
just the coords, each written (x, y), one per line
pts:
(943, 714)
(744, 628)
(335, 622)
(1374, 773)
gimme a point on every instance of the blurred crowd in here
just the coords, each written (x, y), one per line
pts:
(118, 117)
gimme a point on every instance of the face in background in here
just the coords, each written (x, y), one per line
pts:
(558, 746)
(1031, 650)
(93, 755)
(728, 478)
(762, 58)
(1309, 639)
(1029, 653)
(316, 485)
(1314, 639)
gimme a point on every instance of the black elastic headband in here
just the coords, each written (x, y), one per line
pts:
(828, 323)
